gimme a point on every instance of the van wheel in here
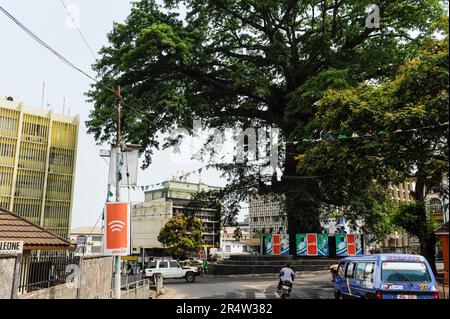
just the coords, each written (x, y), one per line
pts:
(337, 295)
(190, 277)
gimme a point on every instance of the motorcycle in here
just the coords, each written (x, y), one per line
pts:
(285, 291)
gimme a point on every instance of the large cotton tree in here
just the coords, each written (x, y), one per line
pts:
(250, 63)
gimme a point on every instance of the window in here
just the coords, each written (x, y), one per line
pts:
(350, 269)
(174, 264)
(96, 249)
(97, 238)
(245, 248)
(405, 272)
(151, 265)
(227, 248)
(368, 272)
(359, 273)
(163, 264)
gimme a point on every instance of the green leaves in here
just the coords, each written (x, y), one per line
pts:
(182, 235)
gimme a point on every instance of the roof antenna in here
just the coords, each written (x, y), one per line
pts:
(43, 94)
(64, 105)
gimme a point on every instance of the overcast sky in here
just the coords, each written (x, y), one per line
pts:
(25, 65)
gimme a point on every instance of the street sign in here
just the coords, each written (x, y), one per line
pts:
(11, 247)
(117, 229)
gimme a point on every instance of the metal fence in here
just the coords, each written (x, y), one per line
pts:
(40, 272)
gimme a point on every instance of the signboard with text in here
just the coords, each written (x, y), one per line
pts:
(312, 244)
(348, 244)
(11, 247)
(117, 229)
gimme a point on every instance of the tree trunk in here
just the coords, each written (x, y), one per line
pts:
(427, 237)
(302, 211)
(428, 250)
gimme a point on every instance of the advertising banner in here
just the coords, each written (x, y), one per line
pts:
(311, 244)
(117, 229)
(300, 240)
(284, 239)
(276, 244)
(269, 246)
(348, 244)
(322, 244)
(341, 244)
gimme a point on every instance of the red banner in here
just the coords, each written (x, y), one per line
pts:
(311, 242)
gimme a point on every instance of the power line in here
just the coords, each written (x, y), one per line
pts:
(68, 62)
(45, 45)
(78, 28)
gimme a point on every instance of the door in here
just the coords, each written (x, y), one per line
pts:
(346, 285)
(163, 269)
(175, 269)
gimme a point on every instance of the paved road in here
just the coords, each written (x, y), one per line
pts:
(306, 286)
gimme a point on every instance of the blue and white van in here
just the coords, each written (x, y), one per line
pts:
(385, 276)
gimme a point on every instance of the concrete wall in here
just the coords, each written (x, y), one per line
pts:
(6, 276)
(96, 282)
(96, 277)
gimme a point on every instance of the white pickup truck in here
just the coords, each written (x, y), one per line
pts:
(170, 269)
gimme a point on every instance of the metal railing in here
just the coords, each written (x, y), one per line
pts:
(40, 272)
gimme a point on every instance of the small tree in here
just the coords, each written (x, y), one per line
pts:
(182, 235)
(413, 218)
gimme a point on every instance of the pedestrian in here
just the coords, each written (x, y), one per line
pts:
(333, 270)
(205, 266)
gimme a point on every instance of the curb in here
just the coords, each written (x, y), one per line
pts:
(300, 274)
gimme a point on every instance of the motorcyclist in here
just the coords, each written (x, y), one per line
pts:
(286, 274)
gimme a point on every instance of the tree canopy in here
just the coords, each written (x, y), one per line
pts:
(251, 63)
(182, 235)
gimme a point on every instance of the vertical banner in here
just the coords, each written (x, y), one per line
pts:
(351, 245)
(300, 240)
(276, 244)
(284, 241)
(311, 242)
(359, 248)
(341, 244)
(269, 246)
(322, 243)
(117, 229)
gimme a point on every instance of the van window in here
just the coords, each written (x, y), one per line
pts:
(368, 272)
(359, 273)
(405, 272)
(350, 269)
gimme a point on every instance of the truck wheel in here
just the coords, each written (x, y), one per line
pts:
(190, 277)
(337, 295)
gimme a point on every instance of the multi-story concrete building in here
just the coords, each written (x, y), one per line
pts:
(162, 204)
(38, 150)
(265, 213)
(88, 239)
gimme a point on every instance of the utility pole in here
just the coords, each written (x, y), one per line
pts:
(117, 282)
